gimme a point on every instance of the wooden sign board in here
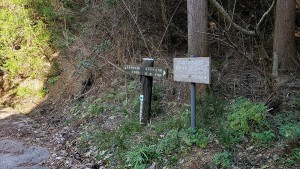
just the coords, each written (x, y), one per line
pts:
(196, 70)
(146, 71)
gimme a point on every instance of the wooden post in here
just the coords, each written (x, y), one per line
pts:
(146, 92)
(146, 72)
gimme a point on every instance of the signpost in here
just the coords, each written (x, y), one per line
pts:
(193, 70)
(147, 72)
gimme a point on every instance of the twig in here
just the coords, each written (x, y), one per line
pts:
(264, 74)
(137, 25)
(84, 94)
(112, 64)
(265, 14)
(228, 19)
(233, 10)
(167, 27)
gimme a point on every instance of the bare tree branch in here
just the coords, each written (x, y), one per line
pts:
(137, 25)
(265, 14)
(228, 19)
(238, 27)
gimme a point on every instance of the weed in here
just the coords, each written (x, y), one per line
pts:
(95, 109)
(222, 159)
(53, 80)
(140, 156)
(286, 118)
(296, 154)
(42, 92)
(198, 137)
(263, 138)
(294, 157)
(25, 91)
(246, 116)
(290, 131)
(169, 143)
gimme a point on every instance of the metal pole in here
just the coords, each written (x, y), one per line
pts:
(193, 104)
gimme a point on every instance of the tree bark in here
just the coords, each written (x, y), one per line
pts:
(197, 28)
(284, 42)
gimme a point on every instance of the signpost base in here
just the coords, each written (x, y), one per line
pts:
(146, 92)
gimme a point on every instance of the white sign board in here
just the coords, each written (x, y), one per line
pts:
(196, 70)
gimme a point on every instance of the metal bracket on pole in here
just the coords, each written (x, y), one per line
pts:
(193, 103)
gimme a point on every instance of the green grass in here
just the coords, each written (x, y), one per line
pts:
(167, 138)
(164, 140)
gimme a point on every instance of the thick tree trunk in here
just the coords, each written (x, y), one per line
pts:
(197, 28)
(284, 42)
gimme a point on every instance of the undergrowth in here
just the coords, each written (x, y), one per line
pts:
(30, 40)
(167, 139)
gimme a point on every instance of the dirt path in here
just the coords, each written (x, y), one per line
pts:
(15, 155)
(41, 141)
(16, 152)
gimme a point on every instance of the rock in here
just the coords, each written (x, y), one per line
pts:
(276, 157)
(250, 148)
(153, 166)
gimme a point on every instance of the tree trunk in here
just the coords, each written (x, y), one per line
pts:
(284, 42)
(197, 28)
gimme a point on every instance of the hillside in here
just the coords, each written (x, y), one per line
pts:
(80, 104)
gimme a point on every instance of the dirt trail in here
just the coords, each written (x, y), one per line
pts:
(17, 151)
(41, 140)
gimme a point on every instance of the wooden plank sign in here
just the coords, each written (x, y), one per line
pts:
(146, 71)
(195, 70)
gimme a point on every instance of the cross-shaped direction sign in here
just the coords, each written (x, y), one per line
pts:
(147, 72)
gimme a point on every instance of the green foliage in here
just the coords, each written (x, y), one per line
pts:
(163, 141)
(169, 143)
(53, 80)
(25, 91)
(199, 138)
(222, 160)
(25, 39)
(246, 116)
(95, 109)
(263, 138)
(293, 157)
(42, 92)
(296, 154)
(245, 119)
(290, 130)
(140, 156)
